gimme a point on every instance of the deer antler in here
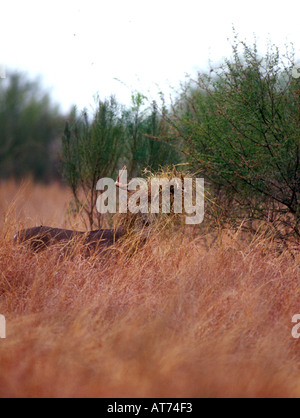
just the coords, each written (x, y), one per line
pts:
(121, 185)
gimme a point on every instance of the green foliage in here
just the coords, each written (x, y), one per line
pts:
(146, 136)
(91, 150)
(29, 129)
(241, 128)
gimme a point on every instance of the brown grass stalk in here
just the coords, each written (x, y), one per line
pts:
(176, 319)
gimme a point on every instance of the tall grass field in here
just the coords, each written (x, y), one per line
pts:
(185, 316)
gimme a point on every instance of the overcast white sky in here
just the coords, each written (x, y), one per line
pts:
(80, 47)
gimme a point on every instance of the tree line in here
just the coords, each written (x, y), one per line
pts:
(30, 129)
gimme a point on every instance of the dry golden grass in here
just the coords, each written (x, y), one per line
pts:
(177, 319)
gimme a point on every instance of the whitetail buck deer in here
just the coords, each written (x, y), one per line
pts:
(41, 237)
(133, 223)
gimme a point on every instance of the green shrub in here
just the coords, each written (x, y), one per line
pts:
(91, 150)
(240, 126)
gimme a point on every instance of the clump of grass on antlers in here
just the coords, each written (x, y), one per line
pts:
(144, 224)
